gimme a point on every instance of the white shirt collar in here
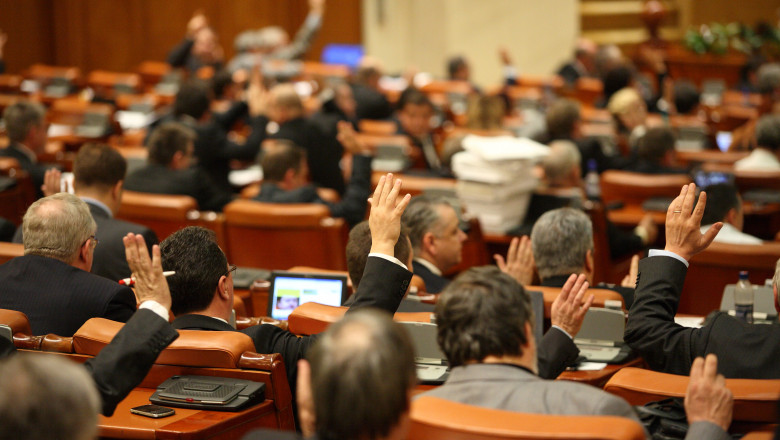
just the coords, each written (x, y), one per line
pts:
(429, 265)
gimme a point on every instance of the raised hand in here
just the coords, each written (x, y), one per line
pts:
(51, 182)
(630, 279)
(568, 310)
(150, 283)
(384, 219)
(196, 23)
(256, 94)
(707, 398)
(348, 138)
(683, 224)
(519, 262)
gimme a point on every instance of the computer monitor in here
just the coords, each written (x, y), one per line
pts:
(289, 290)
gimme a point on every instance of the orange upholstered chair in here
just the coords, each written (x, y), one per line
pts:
(312, 318)
(635, 188)
(279, 236)
(439, 419)
(162, 213)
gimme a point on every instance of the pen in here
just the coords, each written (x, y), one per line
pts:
(131, 281)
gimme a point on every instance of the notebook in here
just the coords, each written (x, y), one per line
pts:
(432, 366)
(288, 290)
(601, 337)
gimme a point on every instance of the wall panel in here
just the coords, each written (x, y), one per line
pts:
(119, 34)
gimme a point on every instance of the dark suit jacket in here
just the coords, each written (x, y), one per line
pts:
(433, 283)
(383, 286)
(569, 73)
(132, 351)
(323, 153)
(193, 182)
(352, 206)
(181, 56)
(626, 292)
(110, 261)
(59, 298)
(370, 103)
(743, 350)
(35, 169)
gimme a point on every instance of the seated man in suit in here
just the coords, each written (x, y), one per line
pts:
(51, 283)
(583, 63)
(725, 205)
(370, 102)
(655, 153)
(744, 351)
(134, 350)
(200, 47)
(169, 171)
(436, 237)
(484, 328)
(562, 242)
(355, 382)
(98, 176)
(288, 121)
(285, 180)
(202, 289)
(27, 132)
(414, 114)
(563, 187)
(437, 242)
(766, 155)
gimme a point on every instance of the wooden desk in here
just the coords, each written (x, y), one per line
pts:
(598, 378)
(186, 424)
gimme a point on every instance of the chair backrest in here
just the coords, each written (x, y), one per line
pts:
(162, 213)
(718, 265)
(635, 188)
(9, 251)
(108, 81)
(10, 83)
(416, 185)
(754, 399)
(313, 318)
(279, 236)
(377, 127)
(16, 320)
(15, 201)
(45, 73)
(601, 296)
(439, 419)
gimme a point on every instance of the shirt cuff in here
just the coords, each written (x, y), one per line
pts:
(662, 253)
(563, 331)
(388, 258)
(156, 307)
(510, 72)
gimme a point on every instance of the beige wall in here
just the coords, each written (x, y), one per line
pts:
(539, 34)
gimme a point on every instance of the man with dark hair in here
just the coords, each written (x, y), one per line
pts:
(51, 283)
(202, 288)
(355, 382)
(27, 132)
(725, 205)
(582, 65)
(370, 102)
(458, 69)
(414, 115)
(200, 47)
(766, 155)
(285, 171)
(484, 324)
(686, 97)
(169, 171)
(212, 147)
(655, 153)
(98, 178)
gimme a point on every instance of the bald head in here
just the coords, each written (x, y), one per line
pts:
(57, 226)
(284, 103)
(562, 165)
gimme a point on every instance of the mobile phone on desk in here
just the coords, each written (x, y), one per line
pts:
(153, 411)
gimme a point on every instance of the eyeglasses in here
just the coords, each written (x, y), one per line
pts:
(233, 268)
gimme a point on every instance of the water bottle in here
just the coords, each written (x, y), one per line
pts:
(743, 298)
(592, 185)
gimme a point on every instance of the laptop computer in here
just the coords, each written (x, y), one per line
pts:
(288, 290)
(763, 303)
(601, 337)
(432, 365)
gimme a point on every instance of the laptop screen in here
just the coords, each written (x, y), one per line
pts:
(288, 290)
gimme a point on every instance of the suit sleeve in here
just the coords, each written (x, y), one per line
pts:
(209, 196)
(121, 365)
(177, 57)
(383, 285)
(227, 149)
(622, 242)
(7, 348)
(651, 330)
(556, 351)
(352, 206)
(122, 305)
(303, 38)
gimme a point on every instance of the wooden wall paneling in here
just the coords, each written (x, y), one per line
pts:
(30, 33)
